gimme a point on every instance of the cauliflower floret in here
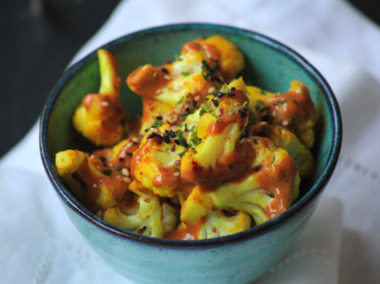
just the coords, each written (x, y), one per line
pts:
(220, 154)
(215, 224)
(156, 163)
(231, 60)
(152, 109)
(143, 215)
(267, 190)
(90, 180)
(285, 139)
(100, 117)
(293, 110)
(192, 73)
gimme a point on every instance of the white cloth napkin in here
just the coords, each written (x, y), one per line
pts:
(340, 244)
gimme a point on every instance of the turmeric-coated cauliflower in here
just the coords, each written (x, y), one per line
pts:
(293, 110)
(100, 117)
(210, 156)
(89, 179)
(267, 190)
(144, 214)
(216, 224)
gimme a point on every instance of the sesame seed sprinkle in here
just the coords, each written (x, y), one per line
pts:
(125, 172)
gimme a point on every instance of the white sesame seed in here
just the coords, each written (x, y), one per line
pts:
(176, 174)
(177, 162)
(125, 172)
(197, 98)
(211, 90)
(135, 140)
(155, 130)
(104, 104)
(167, 77)
(285, 123)
(129, 144)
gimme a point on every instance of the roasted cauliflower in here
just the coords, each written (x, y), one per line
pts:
(100, 117)
(210, 156)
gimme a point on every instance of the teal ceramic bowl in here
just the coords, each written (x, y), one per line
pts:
(238, 258)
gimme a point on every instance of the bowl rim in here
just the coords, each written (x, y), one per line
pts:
(254, 232)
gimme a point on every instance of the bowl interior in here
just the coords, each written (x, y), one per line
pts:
(269, 65)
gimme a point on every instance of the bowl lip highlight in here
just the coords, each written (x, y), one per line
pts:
(316, 188)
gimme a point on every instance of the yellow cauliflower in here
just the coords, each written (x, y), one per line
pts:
(267, 190)
(293, 110)
(143, 215)
(100, 117)
(216, 224)
(156, 163)
(89, 179)
(220, 155)
(285, 139)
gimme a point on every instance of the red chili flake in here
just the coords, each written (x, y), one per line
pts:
(168, 61)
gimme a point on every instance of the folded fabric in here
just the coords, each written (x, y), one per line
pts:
(39, 244)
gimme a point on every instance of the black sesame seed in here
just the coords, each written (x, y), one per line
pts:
(233, 88)
(121, 159)
(141, 230)
(243, 114)
(194, 104)
(259, 167)
(164, 70)
(103, 161)
(231, 95)
(187, 111)
(151, 135)
(166, 136)
(244, 134)
(128, 153)
(107, 172)
(220, 94)
(177, 142)
(172, 133)
(184, 143)
(159, 117)
(271, 194)
(117, 167)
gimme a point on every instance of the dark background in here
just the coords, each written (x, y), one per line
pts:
(38, 38)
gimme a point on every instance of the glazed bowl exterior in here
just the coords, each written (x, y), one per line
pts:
(238, 258)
